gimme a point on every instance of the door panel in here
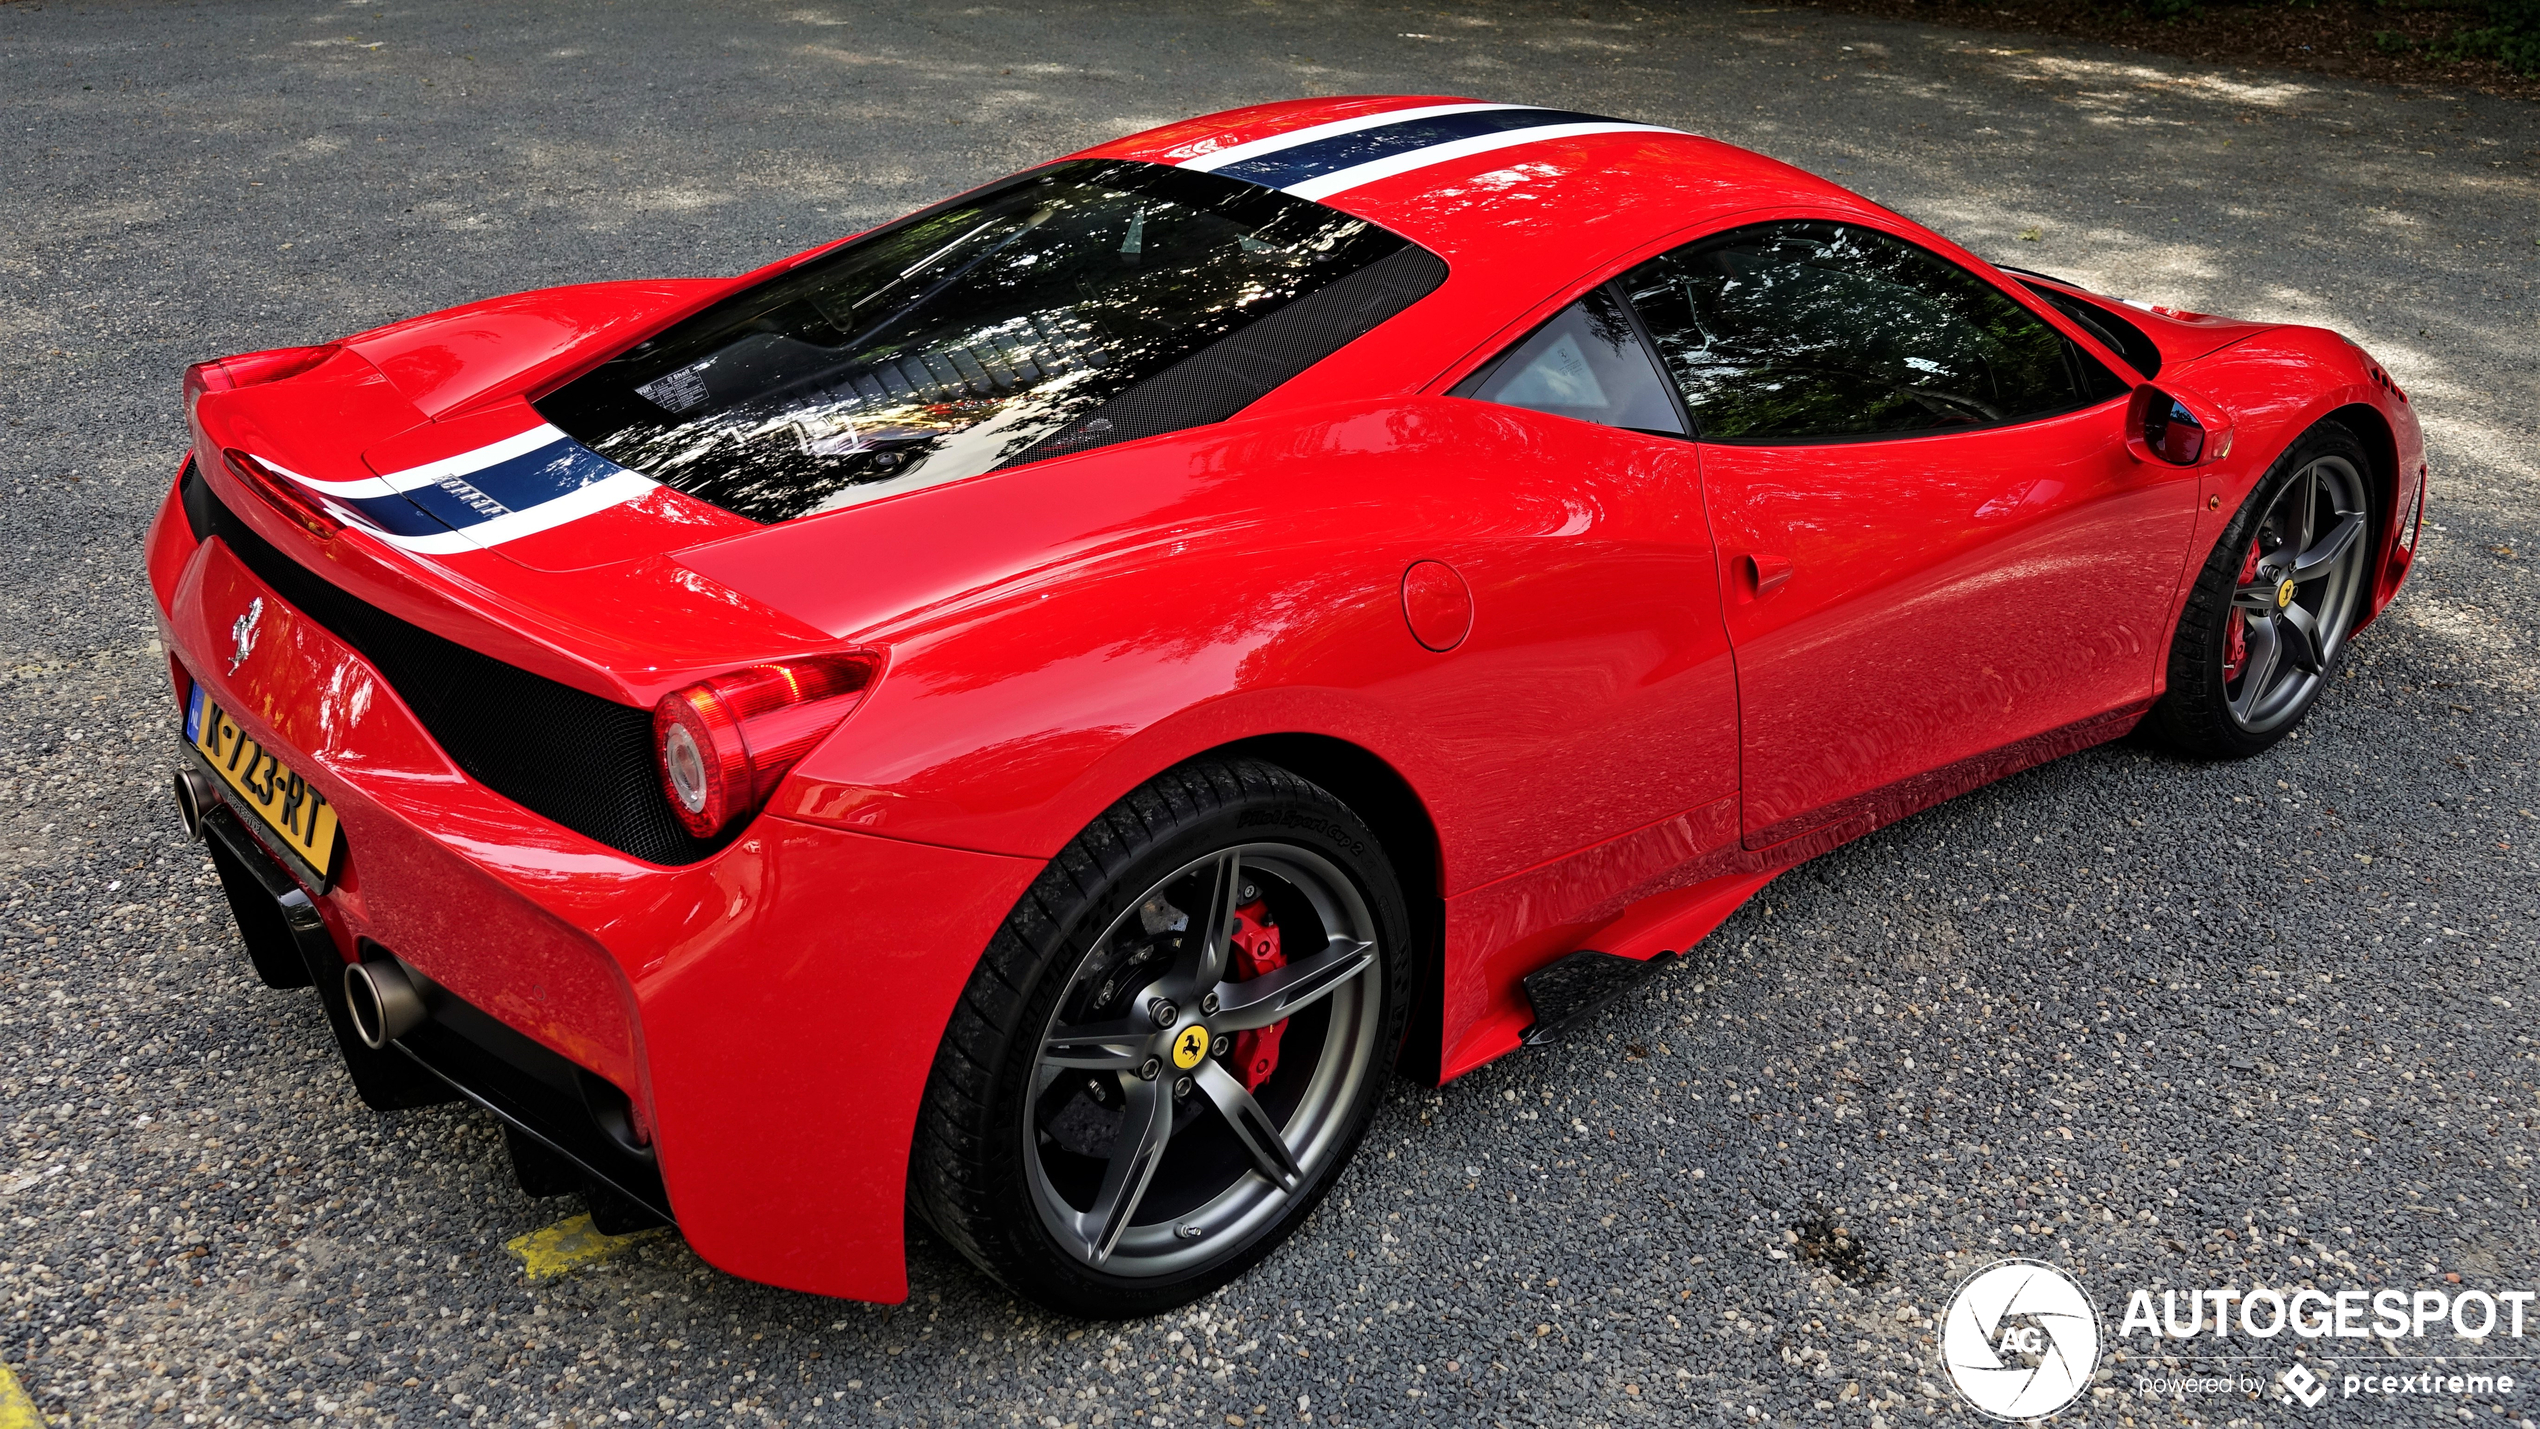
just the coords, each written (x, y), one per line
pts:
(1596, 694)
(1939, 596)
(1590, 720)
(1932, 539)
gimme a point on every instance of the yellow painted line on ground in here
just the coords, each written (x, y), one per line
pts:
(16, 1410)
(560, 1249)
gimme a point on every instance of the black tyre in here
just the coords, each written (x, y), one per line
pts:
(1171, 1047)
(2271, 612)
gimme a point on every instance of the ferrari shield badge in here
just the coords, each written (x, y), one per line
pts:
(1190, 1047)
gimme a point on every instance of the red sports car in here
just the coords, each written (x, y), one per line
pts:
(1033, 711)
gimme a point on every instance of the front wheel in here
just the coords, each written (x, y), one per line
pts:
(1172, 1045)
(2271, 612)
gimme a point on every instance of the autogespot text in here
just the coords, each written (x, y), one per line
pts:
(2265, 1313)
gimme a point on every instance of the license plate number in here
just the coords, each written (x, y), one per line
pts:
(289, 805)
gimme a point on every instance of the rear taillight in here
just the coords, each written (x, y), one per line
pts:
(723, 743)
(279, 493)
(224, 374)
(247, 369)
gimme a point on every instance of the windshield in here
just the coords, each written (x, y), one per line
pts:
(984, 332)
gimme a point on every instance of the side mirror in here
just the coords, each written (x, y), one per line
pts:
(2175, 429)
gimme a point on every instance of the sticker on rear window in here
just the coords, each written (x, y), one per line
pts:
(678, 391)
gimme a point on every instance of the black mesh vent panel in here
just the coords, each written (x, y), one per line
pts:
(1232, 373)
(566, 755)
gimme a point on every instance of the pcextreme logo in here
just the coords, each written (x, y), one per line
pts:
(2302, 1386)
(2019, 1339)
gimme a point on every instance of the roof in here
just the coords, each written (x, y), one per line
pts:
(1485, 185)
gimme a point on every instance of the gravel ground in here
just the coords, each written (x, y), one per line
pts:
(2162, 1025)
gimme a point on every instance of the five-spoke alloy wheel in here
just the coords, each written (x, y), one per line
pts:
(1171, 1047)
(1148, 1144)
(2273, 608)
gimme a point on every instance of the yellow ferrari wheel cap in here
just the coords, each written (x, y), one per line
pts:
(2284, 593)
(1190, 1047)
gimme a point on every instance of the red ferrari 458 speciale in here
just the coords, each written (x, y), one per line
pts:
(1031, 712)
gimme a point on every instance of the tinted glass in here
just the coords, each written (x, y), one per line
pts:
(2122, 337)
(1586, 363)
(953, 342)
(1798, 330)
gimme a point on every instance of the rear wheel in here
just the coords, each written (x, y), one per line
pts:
(2272, 610)
(1172, 1045)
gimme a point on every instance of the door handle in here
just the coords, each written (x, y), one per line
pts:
(1761, 575)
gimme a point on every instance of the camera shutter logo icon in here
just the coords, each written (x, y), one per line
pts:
(2019, 1339)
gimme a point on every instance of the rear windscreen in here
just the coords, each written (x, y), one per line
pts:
(1000, 327)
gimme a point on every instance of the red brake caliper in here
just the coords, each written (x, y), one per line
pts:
(2236, 633)
(1256, 951)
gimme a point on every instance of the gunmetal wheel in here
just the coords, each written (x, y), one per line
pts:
(1171, 1047)
(2274, 606)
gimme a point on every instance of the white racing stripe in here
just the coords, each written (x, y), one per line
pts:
(433, 472)
(573, 506)
(488, 482)
(1210, 162)
(1384, 168)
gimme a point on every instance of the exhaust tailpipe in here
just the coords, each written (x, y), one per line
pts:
(194, 798)
(382, 1000)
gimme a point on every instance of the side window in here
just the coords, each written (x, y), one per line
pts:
(1586, 363)
(2122, 337)
(1817, 330)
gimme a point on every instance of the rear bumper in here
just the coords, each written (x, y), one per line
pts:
(574, 1121)
(766, 1017)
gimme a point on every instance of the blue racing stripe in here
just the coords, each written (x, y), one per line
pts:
(395, 515)
(559, 468)
(1341, 151)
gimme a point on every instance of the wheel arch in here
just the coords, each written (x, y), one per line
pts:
(2371, 426)
(1400, 819)
(2257, 379)
(2381, 444)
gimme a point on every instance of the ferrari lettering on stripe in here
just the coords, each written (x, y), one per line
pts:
(1326, 159)
(516, 487)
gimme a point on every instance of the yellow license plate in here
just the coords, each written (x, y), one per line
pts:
(288, 804)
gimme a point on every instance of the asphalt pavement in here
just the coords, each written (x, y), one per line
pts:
(2162, 1025)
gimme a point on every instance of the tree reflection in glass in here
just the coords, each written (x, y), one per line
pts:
(1815, 329)
(955, 342)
